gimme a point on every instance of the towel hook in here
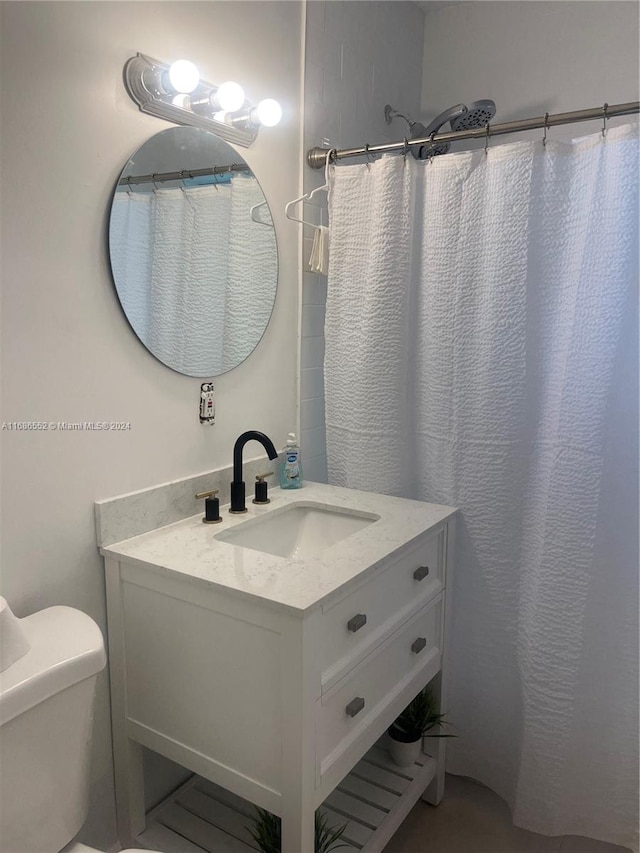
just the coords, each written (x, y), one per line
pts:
(604, 120)
(546, 125)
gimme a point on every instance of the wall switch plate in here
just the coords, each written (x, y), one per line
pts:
(207, 404)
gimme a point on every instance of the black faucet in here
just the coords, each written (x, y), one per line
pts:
(237, 486)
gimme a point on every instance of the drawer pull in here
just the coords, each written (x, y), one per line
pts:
(356, 622)
(421, 572)
(418, 645)
(355, 706)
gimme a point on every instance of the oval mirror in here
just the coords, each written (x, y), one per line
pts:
(193, 251)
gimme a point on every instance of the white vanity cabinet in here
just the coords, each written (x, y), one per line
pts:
(274, 678)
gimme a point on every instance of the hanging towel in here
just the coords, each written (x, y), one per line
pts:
(319, 259)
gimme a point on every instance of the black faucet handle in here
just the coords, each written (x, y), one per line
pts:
(211, 506)
(261, 489)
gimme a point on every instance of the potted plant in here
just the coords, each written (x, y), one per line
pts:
(417, 720)
(267, 828)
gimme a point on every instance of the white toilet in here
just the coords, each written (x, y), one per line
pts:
(50, 662)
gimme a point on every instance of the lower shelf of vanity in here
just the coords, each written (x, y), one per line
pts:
(372, 800)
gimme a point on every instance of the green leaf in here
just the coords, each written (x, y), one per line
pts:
(267, 828)
(327, 837)
(420, 716)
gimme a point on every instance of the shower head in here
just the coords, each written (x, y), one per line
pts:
(460, 117)
(478, 114)
(423, 152)
(427, 150)
(418, 131)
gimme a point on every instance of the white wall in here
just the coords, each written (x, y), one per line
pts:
(359, 57)
(531, 58)
(68, 354)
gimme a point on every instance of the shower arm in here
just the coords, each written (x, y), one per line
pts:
(317, 157)
(390, 114)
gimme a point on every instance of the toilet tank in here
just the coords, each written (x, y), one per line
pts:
(46, 719)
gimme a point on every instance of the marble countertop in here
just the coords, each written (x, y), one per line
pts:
(189, 547)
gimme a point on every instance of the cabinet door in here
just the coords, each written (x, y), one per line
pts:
(207, 681)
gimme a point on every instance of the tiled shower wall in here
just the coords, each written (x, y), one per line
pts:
(359, 57)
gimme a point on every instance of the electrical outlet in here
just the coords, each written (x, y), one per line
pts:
(207, 404)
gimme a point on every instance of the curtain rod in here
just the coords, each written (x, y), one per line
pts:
(317, 157)
(183, 175)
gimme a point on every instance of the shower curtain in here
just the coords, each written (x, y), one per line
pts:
(481, 335)
(190, 266)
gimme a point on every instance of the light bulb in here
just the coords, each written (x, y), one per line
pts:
(269, 112)
(230, 96)
(184, 76)
(183, 101)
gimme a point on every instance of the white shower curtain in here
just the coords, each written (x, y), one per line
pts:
(481, 336)
(190, 267)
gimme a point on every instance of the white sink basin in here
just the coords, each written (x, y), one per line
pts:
(300, 530)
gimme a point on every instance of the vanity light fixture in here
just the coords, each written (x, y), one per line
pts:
(176, 93)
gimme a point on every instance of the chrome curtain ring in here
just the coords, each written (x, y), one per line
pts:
(432, 148)
(546, 125)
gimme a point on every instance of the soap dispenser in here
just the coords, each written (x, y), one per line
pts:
(291, 468)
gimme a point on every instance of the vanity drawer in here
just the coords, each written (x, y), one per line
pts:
(346, 712)
(356, 623)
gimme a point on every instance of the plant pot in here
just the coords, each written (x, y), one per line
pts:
(403, 752)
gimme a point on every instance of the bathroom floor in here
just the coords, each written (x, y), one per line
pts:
(472, 819)
(200, 817)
